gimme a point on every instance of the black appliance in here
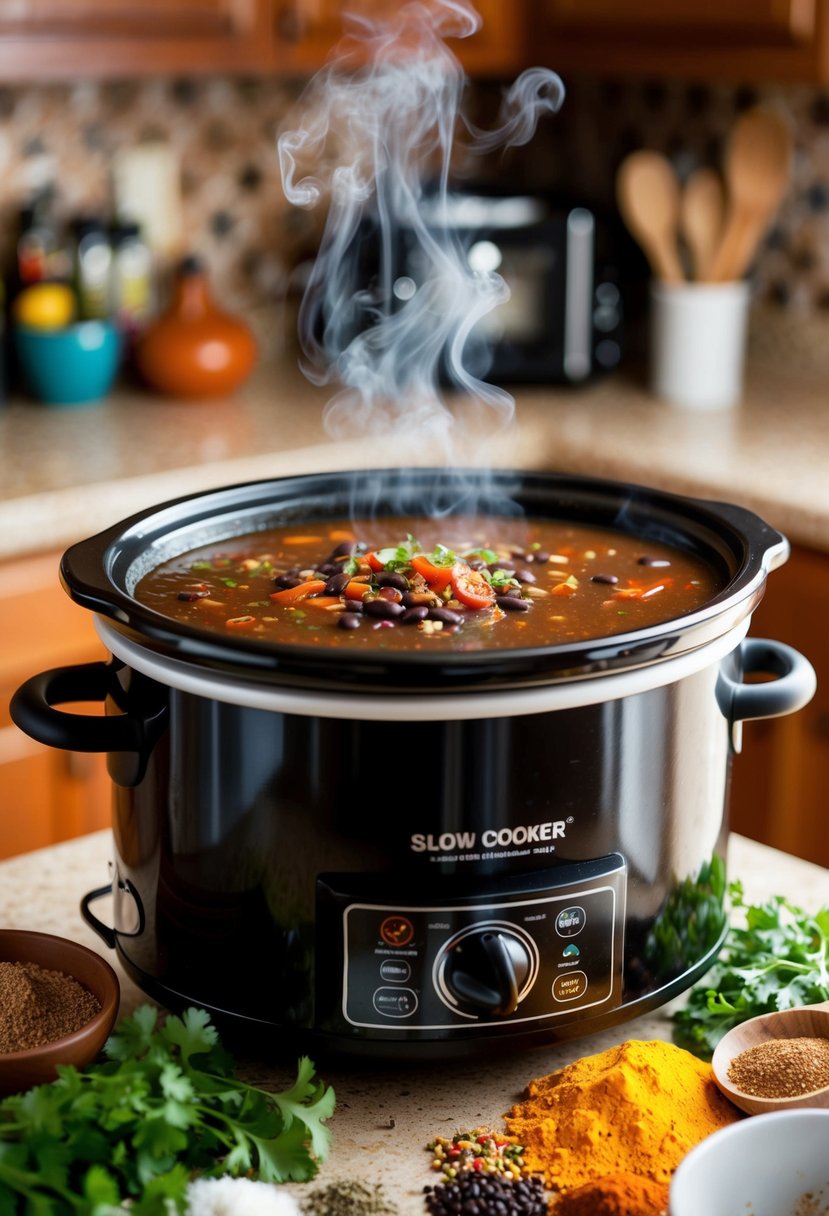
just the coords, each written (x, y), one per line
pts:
(414, 854)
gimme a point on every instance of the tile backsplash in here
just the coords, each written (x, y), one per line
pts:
(224, 133)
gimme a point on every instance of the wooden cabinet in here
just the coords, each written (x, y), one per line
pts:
(306, 30)
(743, 40)
(76, 39)
(45, 795)
(780, 781)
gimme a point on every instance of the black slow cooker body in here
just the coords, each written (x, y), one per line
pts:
(405, 857)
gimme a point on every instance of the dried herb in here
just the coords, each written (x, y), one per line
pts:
(349, 1197)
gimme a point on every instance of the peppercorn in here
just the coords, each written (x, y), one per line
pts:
(481, 1194)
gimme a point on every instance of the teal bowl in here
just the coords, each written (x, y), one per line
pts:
(69, 366)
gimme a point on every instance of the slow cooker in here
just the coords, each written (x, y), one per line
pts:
(410, 854)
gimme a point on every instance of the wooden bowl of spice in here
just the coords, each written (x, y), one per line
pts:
(58, 1003)
(777, 1061)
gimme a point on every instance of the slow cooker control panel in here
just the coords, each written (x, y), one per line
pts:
(546, 947)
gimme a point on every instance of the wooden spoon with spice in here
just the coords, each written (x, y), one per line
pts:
(776, 1061)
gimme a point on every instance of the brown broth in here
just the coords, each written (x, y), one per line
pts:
(569, 582)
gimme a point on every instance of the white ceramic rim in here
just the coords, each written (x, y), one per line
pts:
(414, 707)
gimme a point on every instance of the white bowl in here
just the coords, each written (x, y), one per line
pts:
(761, 1166)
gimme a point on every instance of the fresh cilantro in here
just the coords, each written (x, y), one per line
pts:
(441, 556)
(398, 557)
(230, 582)
(351, 566)
(501, 578)
(776, 958)
(201, 566)
(486, 555)
(126, 1136)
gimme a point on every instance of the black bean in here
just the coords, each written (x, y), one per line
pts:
(344, 549)
(385, 609)
(189, 596)
(610, 579)
(412, 615)
(525, 576)
(390, 578)
(446, 615)
(541, 555)
(337, 584)
(393, 594)
(503, 563)
(653, 561)
(349, 620)
(512, 603)
(476, 563)
(287, 580)
(327, 568)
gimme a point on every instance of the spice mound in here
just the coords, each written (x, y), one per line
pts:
(782, 1068)
(616, 1195)
(637, 1108)
(478, 1194)
(38, 1006)
(479, 1150)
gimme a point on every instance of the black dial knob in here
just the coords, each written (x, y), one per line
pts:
(486, 971)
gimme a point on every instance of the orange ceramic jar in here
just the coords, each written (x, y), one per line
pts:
(195, 349)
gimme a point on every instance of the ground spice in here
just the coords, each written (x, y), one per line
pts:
(478, 1194)
(782, 1068)
(349, 1197)
(38, 1006)
(638, 1108)
(616, 1195)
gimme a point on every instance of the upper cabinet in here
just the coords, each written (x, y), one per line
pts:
(741, 40)
(73, 39)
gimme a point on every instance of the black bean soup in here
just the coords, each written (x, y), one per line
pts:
(412, 583)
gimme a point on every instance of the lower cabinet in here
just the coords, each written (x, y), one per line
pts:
(781, 778)
(45, 795)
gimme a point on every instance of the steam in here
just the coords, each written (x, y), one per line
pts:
(375, 140)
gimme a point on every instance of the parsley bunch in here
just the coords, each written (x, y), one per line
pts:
(164, 1106)
(778, 958)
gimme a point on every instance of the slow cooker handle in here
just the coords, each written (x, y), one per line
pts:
(793, 687)
(32, 709)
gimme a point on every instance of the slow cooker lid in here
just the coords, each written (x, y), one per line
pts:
(101, 573)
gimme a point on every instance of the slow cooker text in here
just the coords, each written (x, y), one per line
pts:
(450, 842)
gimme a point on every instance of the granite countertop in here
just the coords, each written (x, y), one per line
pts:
(384, 1117)
(67, 472)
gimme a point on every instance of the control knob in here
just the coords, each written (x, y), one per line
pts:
(485, 971)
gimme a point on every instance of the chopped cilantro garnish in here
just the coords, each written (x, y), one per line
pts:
(230, 582)
(441, 556)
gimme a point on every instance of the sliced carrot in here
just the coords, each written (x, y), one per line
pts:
(299, 540)
(355, 590)
(324, 601)
(240, 622)
(563, 589)
(340, 534)
(290, 595)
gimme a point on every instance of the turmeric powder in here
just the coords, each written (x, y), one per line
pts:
(637, 1108)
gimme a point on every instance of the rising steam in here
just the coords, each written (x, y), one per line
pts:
(375, 140)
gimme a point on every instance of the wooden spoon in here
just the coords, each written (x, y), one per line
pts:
(647, 192)
(701, 216)
(808, 1021)
(757, 169)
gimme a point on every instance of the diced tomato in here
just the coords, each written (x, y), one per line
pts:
(290, 595)
(470, 587)
(381, 557)
(438, 577)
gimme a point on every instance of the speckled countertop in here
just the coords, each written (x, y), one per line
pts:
(65, 473)
(384, 1117)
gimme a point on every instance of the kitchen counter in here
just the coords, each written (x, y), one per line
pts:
(65, 473)
(384, 1117)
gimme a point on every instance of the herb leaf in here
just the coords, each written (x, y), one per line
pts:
(133, 1130)
(778, 958)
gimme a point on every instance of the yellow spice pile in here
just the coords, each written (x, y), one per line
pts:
(639, 1107)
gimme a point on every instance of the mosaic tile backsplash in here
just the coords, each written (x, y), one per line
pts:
(224, 133)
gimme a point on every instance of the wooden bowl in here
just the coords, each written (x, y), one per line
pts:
(20, 1070)
(808, 1021)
